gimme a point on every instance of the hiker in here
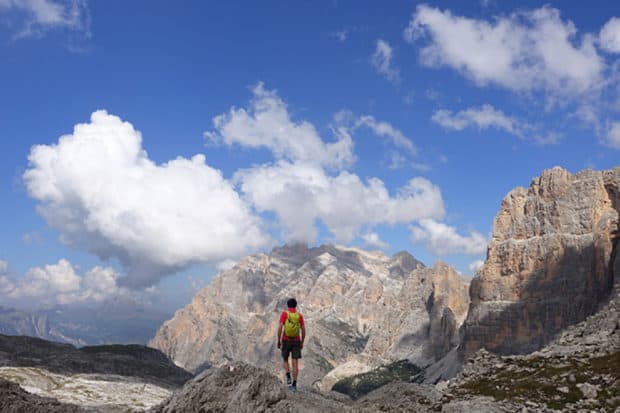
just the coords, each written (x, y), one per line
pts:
(290, 340)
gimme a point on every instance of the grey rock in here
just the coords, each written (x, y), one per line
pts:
(475, 404)
(588, 390)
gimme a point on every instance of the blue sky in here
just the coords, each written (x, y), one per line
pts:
(397, 127)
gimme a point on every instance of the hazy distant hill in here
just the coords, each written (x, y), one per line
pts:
(83, 326)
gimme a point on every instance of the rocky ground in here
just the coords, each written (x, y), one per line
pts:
(244, 388)
(147, 364)
(104, 379)
(579, 371)
(13, 399)
(96, 393)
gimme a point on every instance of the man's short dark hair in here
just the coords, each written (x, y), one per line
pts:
(292, 303)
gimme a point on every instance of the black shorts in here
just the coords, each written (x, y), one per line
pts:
(292, 347)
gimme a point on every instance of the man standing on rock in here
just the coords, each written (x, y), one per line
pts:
(290, 340)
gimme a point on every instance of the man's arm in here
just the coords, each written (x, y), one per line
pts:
(280, 334)
(303, 334)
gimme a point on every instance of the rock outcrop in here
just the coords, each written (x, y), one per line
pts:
(243, 388)
(549, 262)
(362, 309)
(578, 371)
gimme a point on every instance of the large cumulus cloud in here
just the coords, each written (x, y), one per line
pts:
(99, 189)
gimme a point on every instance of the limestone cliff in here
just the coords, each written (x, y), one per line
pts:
(361, 309)
(548, 262)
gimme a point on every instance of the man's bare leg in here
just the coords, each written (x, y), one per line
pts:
(295, 369)
(286, 367)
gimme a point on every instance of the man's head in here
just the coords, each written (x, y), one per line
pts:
(292, 303)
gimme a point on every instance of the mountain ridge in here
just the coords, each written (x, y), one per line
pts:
(348, 296)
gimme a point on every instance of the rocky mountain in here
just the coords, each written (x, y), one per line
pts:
(111, 323)
(550, 262)
(362, 309)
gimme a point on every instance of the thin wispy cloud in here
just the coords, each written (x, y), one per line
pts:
(382, 61)
(386, 130)
(483, 117)
(487, 117)
(36, 17)
(341, 35)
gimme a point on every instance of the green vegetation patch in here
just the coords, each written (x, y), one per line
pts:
(362, 384)
(539, 380)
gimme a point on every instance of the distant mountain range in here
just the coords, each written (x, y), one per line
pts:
(83, 326)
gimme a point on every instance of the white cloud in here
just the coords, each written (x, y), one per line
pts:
(348, 122)
(476, 265)
(381, 60)
(397, 160)
(386, 130)
(100, 190)
(4, 267)
(267, 123)
(40, 15)
(373, 240)
(226, 264)
(484, 117)
(341, 35)
(526, 51)
(297, 186)
(60, 284)
(32, 238)
(609, 36)
(301, 193)
(442, 239)
(613, 135)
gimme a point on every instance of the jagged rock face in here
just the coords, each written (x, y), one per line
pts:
(362, 308)
(548, 263)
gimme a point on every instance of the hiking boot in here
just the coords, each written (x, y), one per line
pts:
(294, 387)
(288, 379)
